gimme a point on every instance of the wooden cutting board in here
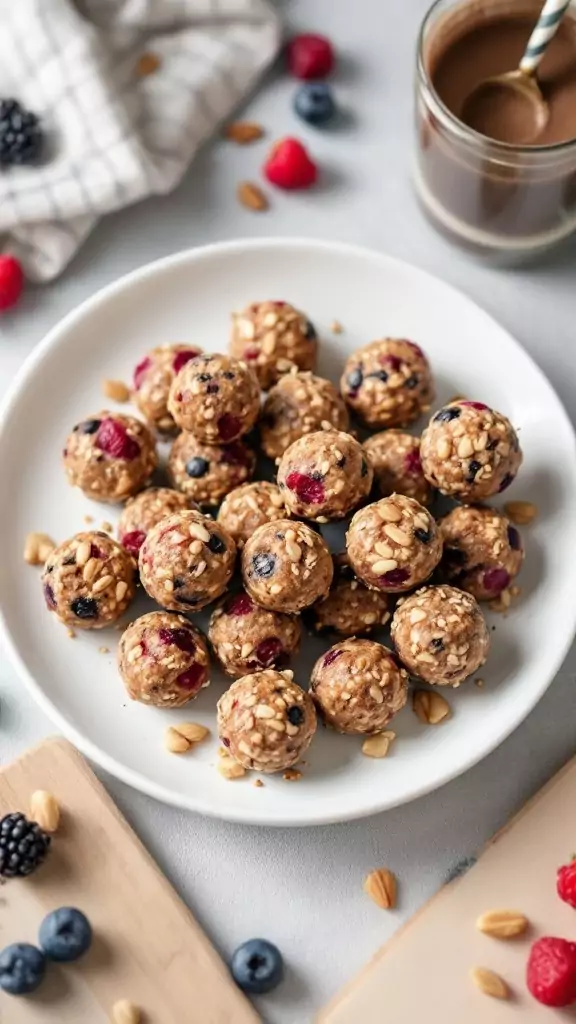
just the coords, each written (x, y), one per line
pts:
(147, 948)
(422, 973)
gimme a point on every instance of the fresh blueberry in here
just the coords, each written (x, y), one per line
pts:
(492, 444)
(87, 427)
(474, 467)
(84, 607)
(514, 539)
(263, 565)
(455, 556)
(22, 968)
(310, 331)
(341, 462)
(508, 479)
(314, 103)
(216, 545)
(422, 535)
(197, 466)
(412, 382)
(295, 715)
(355, 378)
(445, 415)
(203, 377)
(65, 934)
(228, 375)
(364, 468)
(257, 966)
(379, 375)
(437, 644)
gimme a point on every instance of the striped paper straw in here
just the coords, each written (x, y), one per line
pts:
(550, 17)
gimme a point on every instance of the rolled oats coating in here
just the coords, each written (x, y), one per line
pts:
(286, 566)
(141, 513)
(266, 721)
(273, 338)
(250, 506)
(395, 459)
(324, 475)
(440, 635)
(207, 473)
(393, 544)
(163, 660)
(110, 457)
(88, 581)
(358, 686)
(186, 561)
(388, 383)
(483, 551)
(215, 398)
(247, 638)
(153, 377)
(350, 609)
(299, 404)
(470, 451)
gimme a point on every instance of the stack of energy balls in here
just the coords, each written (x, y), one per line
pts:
(262, 561)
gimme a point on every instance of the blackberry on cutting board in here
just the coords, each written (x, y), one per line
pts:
(21, 137)
(23, 845)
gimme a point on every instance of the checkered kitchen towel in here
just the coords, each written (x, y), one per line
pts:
(115, 138)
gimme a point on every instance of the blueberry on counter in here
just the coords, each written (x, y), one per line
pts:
(314, 103)
(257, 966)
(65, 934)
(22, 968)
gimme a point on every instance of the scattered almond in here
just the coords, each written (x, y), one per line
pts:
(502, 924)
(292, 775)
(37, 548)
(490, 983)
(147, 64)
(336, 327)
(230, 768)
(195, 732)
(251, 196)
(71, 634)
(44, 810)
(381, 886)
(179, 739)
(116, 390)
(521, 512)
(243, 132)
(378, 745)
(88, 519)
(125, 1012)
(103, 650)
(107, 527)
(430, 707)
(258, 783)
(479, 683)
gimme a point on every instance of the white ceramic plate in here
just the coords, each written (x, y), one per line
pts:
(188, 298)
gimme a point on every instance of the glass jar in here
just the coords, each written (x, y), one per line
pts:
(501, 201)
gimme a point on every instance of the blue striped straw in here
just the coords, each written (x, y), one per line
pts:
(550, 17)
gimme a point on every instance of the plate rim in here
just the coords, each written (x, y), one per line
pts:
(194, 801)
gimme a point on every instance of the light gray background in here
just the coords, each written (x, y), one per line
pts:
(303, 888)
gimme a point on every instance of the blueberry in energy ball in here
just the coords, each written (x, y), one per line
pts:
(153, 376)
(141, 513)
(65, 934)
(286, 566)
(110, 457)
(324, 475)
(163, 660)
(22, 969)
(89, 580)
(246, 637)
(358, 686)
(23, 846)
(216, 398)
(395, 459)
(299, 404)
(393, 544)
(247, 507)
(483, 551)
(273, 338)
(257, 966)
(207, 473)
(387, 383)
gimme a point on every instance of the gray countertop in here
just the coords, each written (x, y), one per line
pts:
(303, 888)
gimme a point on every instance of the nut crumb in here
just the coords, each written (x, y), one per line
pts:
(71, 634)
(336, 327)
(179, 739)
(88, 519)
(230, 769)
(37, 548)
(502, 924)
(125, 1012)
(258, 783)
(378, 745)
(430, 707)
(44, 810)
(243, 132)
(521, 512)
(381, 886)
(479, 683)
(147, 64)
(116, 390)
(104, 650)
(251, 196)
(292, 775)
(490, 983)
(504, 600)
(107, 527)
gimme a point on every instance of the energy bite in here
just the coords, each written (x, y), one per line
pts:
(393, 544)
(324, 475)
(215, 398)
(250, 506)
(186, 561)
(141, 513)
(88, 581)
(482, 550)
(299, 404)
(246, 638)
(350, 609)
(206, 473)
(153, 378)
(163, 660)
(387, 383)
(470, 451)
(273, 338)
(395, 459)
(266, 721)
(358, 686)
(110, 457)
(440, 635)
(286, 566)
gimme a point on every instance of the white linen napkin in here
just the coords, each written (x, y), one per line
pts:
(114, 137)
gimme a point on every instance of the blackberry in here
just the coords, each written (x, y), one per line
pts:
(23, 845)
(21, 137)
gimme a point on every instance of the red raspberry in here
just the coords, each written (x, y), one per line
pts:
(11, 281)
(551, 971)
(566, 883)
(289, 166)
(310, 56)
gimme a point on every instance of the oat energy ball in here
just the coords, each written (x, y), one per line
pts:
(110, 457)
(395, 459)
(299, 404)
(469, 451)
(215, 398)
(141, 513)
(324, 475)
(246, 638)
(186, 561)
(273, 338)
(153, 377)
(250, 506)
(266, 721)
(88, 581)
(393, 544)
(482, 550)
(388, 383)
(358, 686)
(163, 660)
(286, 566)
(350, 609)
(206, 473)
(440, 635)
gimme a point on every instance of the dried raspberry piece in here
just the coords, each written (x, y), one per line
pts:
(133, 541)
(113, 438)
(310, 56)
(240, 604)
(192, 678)
(395, 577)
(289, 165)
(181, 638)
(140, 371)
(496, 580)
(234, 454)
(330, 658)
(268, 651)
(475, 405)
(229, 427)
(181, 358)
(412, 463)
(308, 490)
